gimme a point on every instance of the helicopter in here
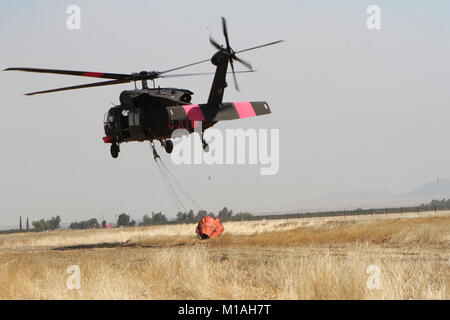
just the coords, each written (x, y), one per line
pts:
(149, 114)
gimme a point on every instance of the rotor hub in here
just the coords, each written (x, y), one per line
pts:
(144, 75)
(220, 57)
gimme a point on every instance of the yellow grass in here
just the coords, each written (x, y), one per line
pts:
(313, 258)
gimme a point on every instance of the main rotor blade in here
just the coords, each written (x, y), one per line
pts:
(199, 74)
(116, 76)
(90, 85)
(245, 63)
(225, 32)
(257, 47)
(188, 65)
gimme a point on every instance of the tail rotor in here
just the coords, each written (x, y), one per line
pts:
(232, 54)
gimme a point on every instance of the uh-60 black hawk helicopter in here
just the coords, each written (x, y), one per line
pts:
(149, 114)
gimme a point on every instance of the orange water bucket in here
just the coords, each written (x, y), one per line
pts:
(209, 227)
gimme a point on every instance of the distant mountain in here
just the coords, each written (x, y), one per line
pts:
(349, 200)
(437, 189)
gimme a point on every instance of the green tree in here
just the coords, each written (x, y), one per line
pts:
(87, 224)
(159, 218)
(225, 214)
(181, 217)
(156, 218)
(146, 220)
(123, 220)
(93, 224)
(201, 214)
(42, 225)
(54, 223)
(190, 216)
(241, 216)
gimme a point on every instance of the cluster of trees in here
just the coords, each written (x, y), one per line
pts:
(189, 217)
(156, 218)
(242, 216)
(87, 224)
(436, 205)
(159, 218)
(224, 215)
(124, 220)
(43, 225)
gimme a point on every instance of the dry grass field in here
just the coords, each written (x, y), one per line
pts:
(313, 258)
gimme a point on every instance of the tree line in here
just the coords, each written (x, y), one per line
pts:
(44, 225)
(436, 205)
(223, 215)
(158, 218)
(124, 220)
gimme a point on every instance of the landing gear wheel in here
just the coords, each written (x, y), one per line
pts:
(168, 145)
(115, 150)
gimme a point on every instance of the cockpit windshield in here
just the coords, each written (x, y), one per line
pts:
(108, 119)
(105, 118)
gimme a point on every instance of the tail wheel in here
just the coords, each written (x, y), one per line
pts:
(115, 150)
(168, 146)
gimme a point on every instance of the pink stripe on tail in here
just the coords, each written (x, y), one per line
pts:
(244, 109)
(194, 112)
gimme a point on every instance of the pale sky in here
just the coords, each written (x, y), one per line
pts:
(356, 109)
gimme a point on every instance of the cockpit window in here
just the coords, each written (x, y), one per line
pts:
(108, 119)
(105, 118)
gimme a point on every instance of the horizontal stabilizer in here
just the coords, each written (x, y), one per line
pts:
(225, 111)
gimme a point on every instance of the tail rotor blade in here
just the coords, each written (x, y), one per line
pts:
(225, 32)
(234, 76)
(214, 43)
(245, 63)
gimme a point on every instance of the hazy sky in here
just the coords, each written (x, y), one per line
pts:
(357, 109)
